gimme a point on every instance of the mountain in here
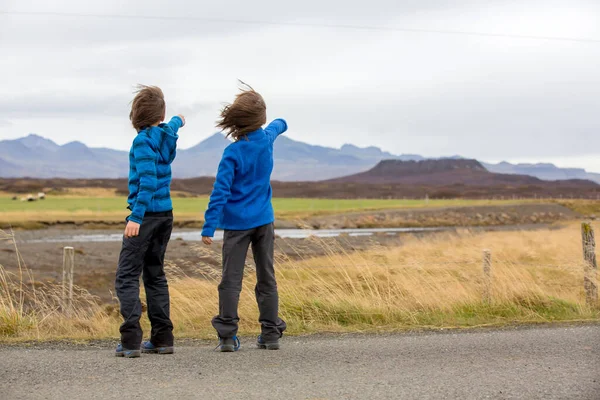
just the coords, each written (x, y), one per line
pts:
(543, 171)
(374, 152)
(35, 156)
(9, 169)
(294, 161)
(202, 159)
(446, 172)
(37, 142)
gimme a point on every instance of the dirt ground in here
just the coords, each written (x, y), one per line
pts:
(96, 261)
(417, 186)
(502, 215)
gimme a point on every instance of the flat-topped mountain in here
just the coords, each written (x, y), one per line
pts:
(445, 172)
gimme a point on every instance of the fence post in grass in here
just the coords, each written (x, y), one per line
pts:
(487, 276)
(590, 283)
(68, 266)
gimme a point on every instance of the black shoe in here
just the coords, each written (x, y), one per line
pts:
(262, 344)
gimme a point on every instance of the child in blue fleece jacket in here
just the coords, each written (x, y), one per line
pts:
(148, 227)
(240, 204)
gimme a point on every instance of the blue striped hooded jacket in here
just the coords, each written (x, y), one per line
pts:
(150, 159)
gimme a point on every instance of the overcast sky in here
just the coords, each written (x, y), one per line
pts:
(488, 97)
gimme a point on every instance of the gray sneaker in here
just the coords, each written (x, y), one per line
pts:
(262, 344)
(148, 347)
(121, 352)
(229, 345)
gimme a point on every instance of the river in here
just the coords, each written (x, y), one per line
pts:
(195, 235)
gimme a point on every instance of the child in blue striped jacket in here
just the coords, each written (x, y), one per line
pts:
(148, 227)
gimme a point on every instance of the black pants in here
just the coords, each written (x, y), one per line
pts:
(145, 255)
(235, 248)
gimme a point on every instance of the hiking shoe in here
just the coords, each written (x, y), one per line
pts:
(121, 352)
(148, 347)
(228, 345)
(262, 344)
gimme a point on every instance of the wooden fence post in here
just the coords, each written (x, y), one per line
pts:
(68, 267)
(591, 268)
(487, 276)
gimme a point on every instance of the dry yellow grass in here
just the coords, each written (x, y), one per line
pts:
(432, 282)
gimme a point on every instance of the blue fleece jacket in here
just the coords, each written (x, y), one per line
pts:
(241, 197)
(150, 159)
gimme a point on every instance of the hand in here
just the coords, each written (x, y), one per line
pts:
(182, 118)
(207, 240)
(132, 229)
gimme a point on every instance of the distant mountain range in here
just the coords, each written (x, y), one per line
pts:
(545, 171)
(38, 157)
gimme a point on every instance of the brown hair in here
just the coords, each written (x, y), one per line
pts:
(147, 107)
(247, 113)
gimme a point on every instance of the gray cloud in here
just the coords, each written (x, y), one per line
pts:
(46, 105)
(55, 105)
(486, 97)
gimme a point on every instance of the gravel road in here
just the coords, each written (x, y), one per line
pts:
(560, 362)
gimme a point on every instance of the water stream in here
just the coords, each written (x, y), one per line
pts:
(283, 233)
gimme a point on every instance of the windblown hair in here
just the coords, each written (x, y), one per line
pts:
(247, 113)
(147, 108)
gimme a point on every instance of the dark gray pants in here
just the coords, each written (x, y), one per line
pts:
(145, 255)
(235, 249)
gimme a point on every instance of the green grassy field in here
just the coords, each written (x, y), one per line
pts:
(59, 208)
(198, 204)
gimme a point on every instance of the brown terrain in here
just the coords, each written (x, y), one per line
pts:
(389, 179)
(487, 216)
(97, 261)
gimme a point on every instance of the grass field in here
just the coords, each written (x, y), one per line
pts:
(113, 208)
(537, 276)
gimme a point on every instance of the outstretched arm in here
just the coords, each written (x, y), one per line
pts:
(276, 128)
(171, 137)
(177, 122)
